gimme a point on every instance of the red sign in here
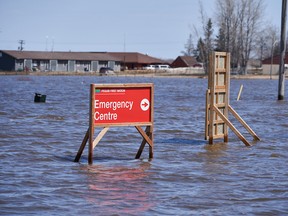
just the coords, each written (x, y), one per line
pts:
(122, 104)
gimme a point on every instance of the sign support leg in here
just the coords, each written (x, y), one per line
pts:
(151, 154)
(240, 136)
(100, 136)
(90, 150)
(245, 125)
(147, 138)
(81, 148)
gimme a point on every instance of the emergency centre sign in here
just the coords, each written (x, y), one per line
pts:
(122, 104)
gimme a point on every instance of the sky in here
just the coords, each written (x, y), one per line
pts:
(159, 28)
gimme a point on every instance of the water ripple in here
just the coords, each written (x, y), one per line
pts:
(186, 177)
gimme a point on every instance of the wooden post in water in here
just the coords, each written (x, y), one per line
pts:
(281, 86)
(217, 95)
(217, 101)
(91, 125)
(240, 92)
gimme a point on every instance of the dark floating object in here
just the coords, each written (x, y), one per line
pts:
(39, 98)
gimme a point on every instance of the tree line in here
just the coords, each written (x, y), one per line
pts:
(241, 30)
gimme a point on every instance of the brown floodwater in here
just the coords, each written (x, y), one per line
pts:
(39, 142)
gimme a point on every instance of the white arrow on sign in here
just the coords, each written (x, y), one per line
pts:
(145, 104)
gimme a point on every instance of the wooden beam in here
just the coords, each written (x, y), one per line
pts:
(245, 125)
(82, 146)
(211, 87)
(147, 136)
(227, 93)
(207, 114)
(149, 132)
(100, 136)
(144, 135)
(91, 125)
(231, 126)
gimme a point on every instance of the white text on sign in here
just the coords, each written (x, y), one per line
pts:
(114, 105)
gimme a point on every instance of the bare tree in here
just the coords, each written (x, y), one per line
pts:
(227, 21)
(267, 43)
(239, 26)
(250, 25)
(189, 47)
(239, 20)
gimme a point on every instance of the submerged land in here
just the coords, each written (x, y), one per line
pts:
(141, 73)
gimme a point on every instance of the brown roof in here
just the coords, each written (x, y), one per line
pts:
(184, 61)
(134, 57)
(129, 57)
(276, 59)
(42, 55)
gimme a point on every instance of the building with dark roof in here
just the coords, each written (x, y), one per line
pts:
(185, 61)
(134, 60)
(11, 60)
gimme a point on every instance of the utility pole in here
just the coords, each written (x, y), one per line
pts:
(272, 56)
(281, 86)
(124, 65)
(21, 42)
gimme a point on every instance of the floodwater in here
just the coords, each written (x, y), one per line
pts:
(39, 142)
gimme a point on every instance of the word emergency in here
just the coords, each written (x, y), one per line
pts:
(114, 105)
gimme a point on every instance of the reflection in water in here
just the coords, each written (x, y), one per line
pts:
(120, 189)
(216, 148)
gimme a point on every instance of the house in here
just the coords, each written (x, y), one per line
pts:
(135, 60)
(185, 61)
(271, 65)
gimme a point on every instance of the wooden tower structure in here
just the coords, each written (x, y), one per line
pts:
(217, 101)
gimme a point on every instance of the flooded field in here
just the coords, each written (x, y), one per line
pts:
(39, 142)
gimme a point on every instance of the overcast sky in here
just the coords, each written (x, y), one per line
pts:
(159, 28)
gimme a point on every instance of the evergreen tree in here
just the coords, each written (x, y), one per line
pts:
(220, 41)
(200, 51)
(208, 36)
(206, 46)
